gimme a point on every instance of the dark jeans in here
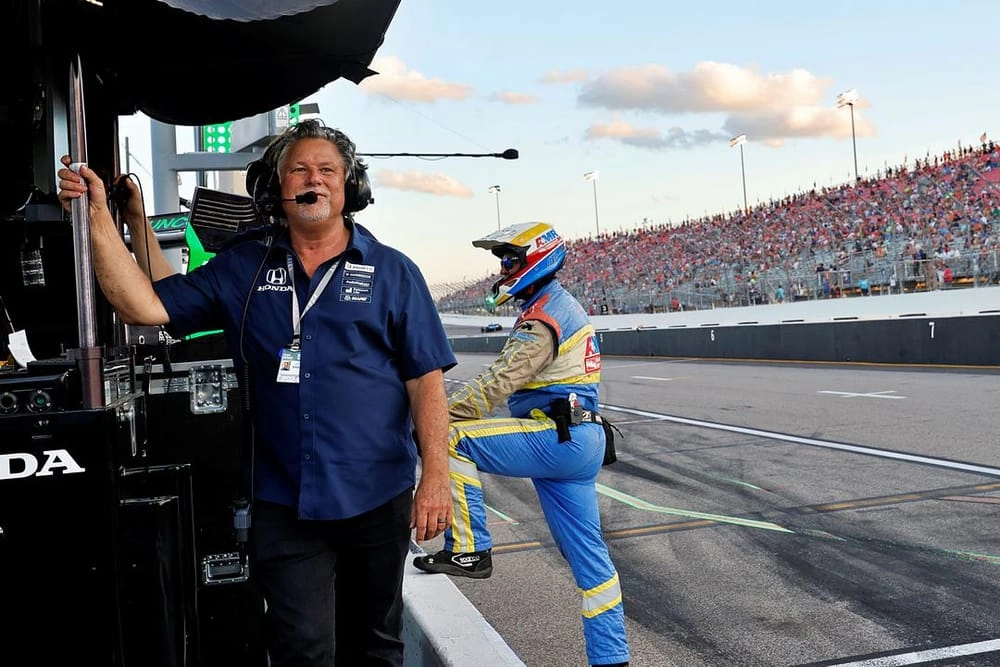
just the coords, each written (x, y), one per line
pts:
(332, 587)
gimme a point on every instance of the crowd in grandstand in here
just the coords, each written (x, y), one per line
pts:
(927, 225)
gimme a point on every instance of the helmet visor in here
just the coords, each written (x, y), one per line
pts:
(511, 262)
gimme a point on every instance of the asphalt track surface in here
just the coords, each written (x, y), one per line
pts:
(773, 514)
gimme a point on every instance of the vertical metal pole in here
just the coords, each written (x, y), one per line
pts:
(597, 220)
(743, 171)
(89, 355)
(497, 194)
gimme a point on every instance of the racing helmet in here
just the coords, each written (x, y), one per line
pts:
(530, 252)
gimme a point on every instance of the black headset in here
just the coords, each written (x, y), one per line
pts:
(263, 185)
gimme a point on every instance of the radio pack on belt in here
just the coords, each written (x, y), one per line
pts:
(561, 413)
(566, 412)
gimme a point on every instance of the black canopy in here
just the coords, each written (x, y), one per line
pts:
(196, 62)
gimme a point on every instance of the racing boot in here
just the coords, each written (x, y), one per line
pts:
(472, 564)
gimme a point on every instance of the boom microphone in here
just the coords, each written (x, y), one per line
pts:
(304, 198)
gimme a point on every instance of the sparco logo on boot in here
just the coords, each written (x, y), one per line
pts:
(47, 464)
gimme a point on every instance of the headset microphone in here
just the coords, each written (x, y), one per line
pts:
(304, 198)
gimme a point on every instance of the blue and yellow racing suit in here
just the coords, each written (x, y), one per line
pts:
(551, 352)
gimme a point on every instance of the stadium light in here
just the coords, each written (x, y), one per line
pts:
(495, 190)
(592, 177)
(849, 98)
(739, 141)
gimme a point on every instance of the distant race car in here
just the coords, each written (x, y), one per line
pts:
(492, 326)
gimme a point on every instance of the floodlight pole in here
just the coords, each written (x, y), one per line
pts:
(592, 177)
(739, 141)
(743, 171)
(849, 98)
(597, 220)
(854, 144)
(495, 189)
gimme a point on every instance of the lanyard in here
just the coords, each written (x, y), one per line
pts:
(296, 317)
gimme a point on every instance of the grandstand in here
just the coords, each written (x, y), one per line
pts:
(442, 291)
(931, 225)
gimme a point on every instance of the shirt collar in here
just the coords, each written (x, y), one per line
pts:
(359, 245)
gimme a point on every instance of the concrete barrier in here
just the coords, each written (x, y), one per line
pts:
(958, 328)
(441, 628)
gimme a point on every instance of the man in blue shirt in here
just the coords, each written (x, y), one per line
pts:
(341, 349)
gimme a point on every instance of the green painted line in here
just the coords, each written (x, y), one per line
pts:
(995, 560)
(820, 534)
(640, 504)
(722, 478)
(500, 514)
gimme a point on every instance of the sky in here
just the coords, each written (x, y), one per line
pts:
(647, 94)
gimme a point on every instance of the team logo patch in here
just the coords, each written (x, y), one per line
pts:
(275, 280)
(592, 356)
(277, 276)
(358, 283)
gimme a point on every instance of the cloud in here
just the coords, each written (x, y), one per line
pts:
(768, 108)
(508, 97)
(416, 181)
(570, 76)
(772, 127)
(395, 81)
(645, 137)
(663, 198)
(709, 86)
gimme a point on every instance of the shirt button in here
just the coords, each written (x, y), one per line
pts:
(308, 375)
(309, 337)
(308, 457)
(305, 416)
